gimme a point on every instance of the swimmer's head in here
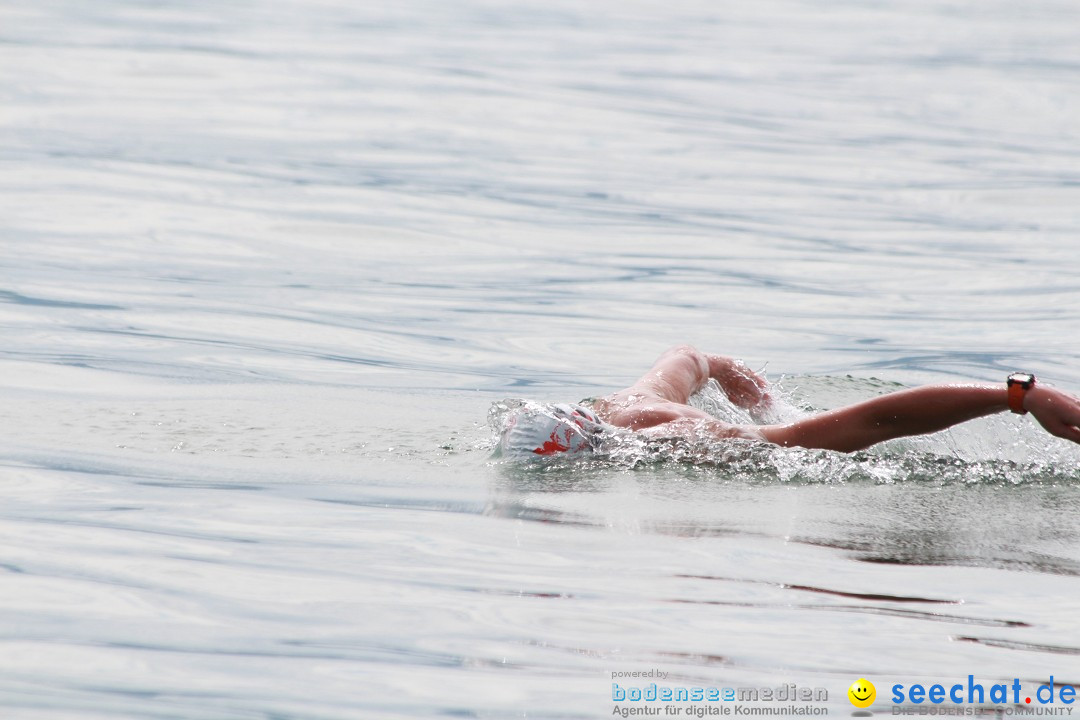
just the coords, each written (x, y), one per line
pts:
(550, 430)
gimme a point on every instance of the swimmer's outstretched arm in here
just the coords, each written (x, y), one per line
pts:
(923, 410)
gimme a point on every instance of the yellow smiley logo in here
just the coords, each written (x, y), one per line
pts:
(862, 693)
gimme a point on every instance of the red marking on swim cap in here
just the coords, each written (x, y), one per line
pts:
(553, 445)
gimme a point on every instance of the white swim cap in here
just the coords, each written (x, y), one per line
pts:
(551, 430)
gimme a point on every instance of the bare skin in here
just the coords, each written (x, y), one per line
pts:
(656, 404)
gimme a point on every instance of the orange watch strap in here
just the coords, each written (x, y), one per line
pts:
(1016, 398)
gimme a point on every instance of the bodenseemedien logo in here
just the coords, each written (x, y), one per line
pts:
(658, 698)
(862, 693)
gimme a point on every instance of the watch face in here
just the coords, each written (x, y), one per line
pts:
(1024, 379)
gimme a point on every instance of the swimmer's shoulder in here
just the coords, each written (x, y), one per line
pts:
(602, 406)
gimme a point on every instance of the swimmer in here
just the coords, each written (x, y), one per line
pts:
(657, 405)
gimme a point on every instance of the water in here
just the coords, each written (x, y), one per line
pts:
(267, 266)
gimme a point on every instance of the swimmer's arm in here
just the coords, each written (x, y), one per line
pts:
(923, 410)
(683, 370)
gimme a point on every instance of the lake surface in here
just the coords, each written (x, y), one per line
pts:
(266, 266)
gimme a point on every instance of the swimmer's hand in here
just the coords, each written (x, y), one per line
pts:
(1055, 410)
(743, 386)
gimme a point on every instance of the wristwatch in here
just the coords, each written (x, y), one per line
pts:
(1019, 383)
